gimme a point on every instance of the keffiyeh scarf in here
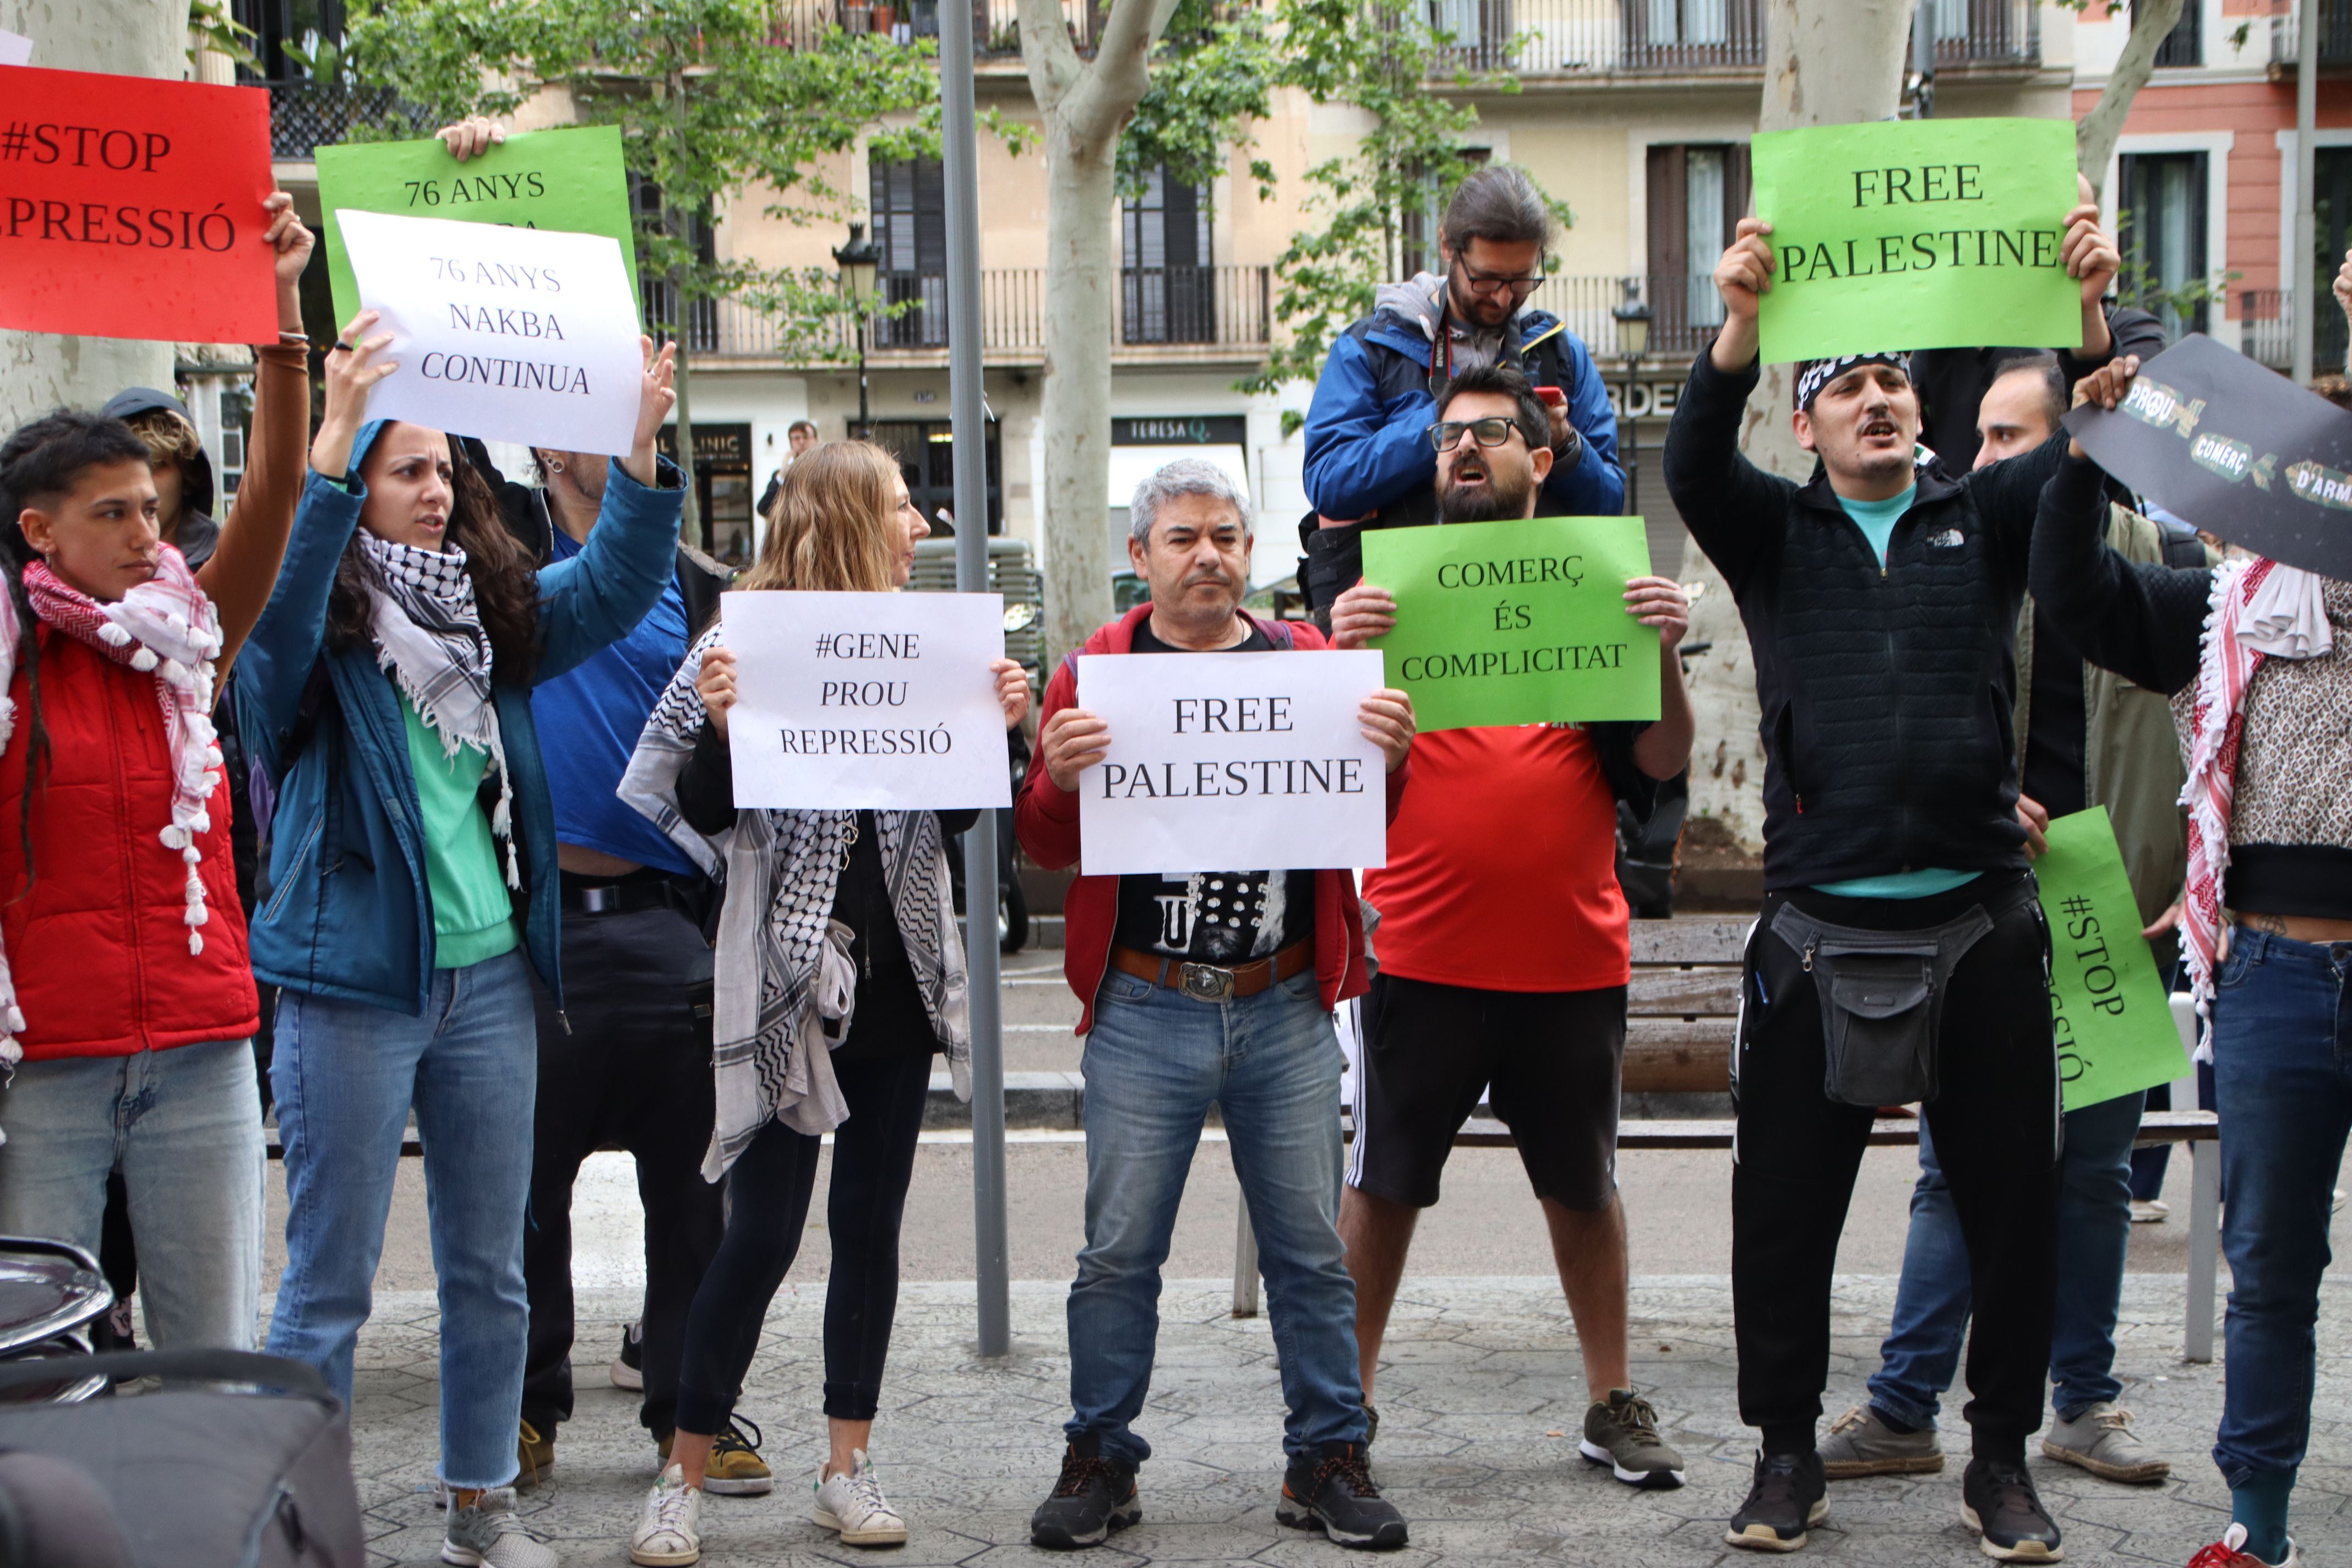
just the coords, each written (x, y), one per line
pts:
(165, 627)
(782, 970)
(430, 638)
(2260, 610)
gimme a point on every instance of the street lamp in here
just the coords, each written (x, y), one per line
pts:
(1633, 342)
(858, 261)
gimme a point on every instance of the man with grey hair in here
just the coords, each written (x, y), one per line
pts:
(1213, 988)
(1369, 462)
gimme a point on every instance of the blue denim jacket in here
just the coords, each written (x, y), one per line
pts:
(349, 914)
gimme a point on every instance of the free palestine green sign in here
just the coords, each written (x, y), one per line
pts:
(2115, 1033)
(570, 180)
(1917, 234)
(1517, 622)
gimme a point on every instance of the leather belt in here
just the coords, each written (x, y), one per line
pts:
(614, 898)
(1209, 982)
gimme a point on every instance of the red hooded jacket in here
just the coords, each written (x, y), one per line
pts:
(1045, 819)
(99, 948)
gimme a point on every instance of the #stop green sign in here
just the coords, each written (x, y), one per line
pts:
(2114, 1022)
(1917, 233)
(1520, 622)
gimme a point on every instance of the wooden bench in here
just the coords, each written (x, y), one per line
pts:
(1683, 1008)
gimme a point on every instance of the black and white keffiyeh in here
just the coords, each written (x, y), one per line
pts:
(782, 972)
(1817, 374)
(430, 638)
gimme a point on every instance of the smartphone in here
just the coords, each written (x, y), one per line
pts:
(1553, 396)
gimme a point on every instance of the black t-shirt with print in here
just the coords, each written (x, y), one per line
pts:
(1223, 918)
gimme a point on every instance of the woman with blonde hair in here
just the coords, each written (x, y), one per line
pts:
(838, 977)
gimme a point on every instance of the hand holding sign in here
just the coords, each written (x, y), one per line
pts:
(1920, 234)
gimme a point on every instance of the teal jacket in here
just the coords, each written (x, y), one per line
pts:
(349, 914)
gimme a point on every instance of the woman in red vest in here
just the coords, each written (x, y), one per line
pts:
(126, 1005)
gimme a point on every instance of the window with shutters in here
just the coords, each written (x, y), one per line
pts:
(1167, 284)
(1698, 192)
(658, 296)
(909, 204)
(2160, 209)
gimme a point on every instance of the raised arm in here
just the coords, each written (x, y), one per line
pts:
(244, 566)
(1732, 508)
(592, 599)
(1595, 486)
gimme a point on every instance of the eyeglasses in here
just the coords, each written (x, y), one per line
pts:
(1488, 283)
(1491, 431)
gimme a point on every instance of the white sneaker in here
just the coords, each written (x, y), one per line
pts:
(2149, 1211)
(670, 1529)
(489, 1535)
(854, 1505)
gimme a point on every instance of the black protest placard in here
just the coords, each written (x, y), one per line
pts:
(2238, 450)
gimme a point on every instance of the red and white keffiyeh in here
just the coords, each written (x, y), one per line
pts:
(2260, 610)
(168, 628)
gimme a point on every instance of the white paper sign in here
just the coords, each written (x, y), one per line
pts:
(1226, 761)
(860, 702)
(510, 334)
(16, 49)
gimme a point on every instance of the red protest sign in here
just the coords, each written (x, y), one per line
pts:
(132, 209)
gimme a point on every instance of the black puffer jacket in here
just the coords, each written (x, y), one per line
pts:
(1887, 692)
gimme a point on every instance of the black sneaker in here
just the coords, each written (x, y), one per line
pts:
(1333, 1492)
(1788, 1498)
(1998, 1500)
(1094, 1498)
(628, 1369)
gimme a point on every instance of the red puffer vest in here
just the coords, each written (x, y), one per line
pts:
(99, 948)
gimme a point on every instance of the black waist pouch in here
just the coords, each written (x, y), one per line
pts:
(1882, 995)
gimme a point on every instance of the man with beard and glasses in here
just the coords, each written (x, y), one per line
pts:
(1901, 954)
(1213, 988)
(1368, 463)
(1504, 952)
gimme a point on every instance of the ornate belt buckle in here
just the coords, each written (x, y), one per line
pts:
(1207, 982)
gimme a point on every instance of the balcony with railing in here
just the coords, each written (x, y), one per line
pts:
(1217, 315)
(1546, 39)
(2267, 328)
(305, 115)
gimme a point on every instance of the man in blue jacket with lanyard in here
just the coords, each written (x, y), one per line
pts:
(1368, 461)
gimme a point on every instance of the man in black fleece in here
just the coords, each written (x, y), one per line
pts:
(1881, 601)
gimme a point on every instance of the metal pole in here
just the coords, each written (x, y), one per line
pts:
(959, 150)
(2303, 301)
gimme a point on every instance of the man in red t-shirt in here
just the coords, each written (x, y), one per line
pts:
(1503, 953)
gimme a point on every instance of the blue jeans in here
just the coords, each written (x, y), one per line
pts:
(2283, 1077)
(1922, 1353)
(184, 1126)
(1155, 1062)
(346, 1074)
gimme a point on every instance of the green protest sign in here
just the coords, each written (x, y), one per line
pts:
(1517, 622)
(2116, 1034)
(570, 180)
(1917, 233)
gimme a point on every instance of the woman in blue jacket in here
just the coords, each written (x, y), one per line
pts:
(386, 693)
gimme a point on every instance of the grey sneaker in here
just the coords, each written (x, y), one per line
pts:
(1861, 1444)
(489, 1535)
(1622, 1433)
(2101, 1441)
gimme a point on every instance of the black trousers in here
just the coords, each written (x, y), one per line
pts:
(634, 1073)
(767, 1194)
(1996, 1131)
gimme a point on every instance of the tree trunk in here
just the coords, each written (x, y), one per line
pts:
(1086, 105)
(41, 371)
(691, 529)
(2095, 132)
(1826, 62)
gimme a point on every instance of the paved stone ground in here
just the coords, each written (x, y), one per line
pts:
(1480, 1404)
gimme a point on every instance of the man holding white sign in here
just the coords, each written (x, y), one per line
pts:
(517, 334)
(1209, 987)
